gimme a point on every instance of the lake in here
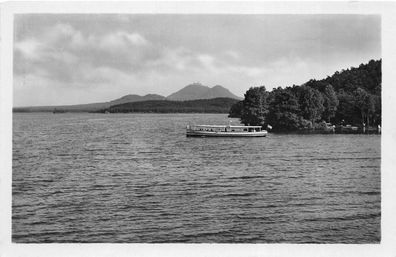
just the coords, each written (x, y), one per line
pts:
(136, 178)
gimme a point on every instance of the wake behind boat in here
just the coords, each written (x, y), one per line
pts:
(224, 131)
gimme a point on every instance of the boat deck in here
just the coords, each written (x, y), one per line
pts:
(225, 131)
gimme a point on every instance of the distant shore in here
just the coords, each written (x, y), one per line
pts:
(213, 105)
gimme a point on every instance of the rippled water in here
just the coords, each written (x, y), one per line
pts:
(137, 178)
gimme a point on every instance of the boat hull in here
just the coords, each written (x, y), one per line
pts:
(193, 133)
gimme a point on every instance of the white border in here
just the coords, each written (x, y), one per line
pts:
(387, 247)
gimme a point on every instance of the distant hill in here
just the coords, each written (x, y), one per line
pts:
(197, 91)
(90, 107)
(191, 92)
(136, 98)
(215, 105)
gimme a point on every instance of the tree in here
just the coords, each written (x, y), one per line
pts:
(283, 110)
(236, 110)
(370, 108)
(330, 102)
(255, 106)
(346, 111)
(378, 109)
(311, 103)
(365, 103)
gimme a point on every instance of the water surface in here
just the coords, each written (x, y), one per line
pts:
(137, 178)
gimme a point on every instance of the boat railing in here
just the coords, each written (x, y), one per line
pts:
(224, 128)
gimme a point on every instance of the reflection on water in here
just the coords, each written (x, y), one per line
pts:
(137, 178)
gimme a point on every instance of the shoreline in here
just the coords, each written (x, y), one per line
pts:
(370, 131)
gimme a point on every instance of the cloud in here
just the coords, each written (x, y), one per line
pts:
(67, 53)
(232, 54)
(135, 38)
(143, 54)
(29, 48)
(120, 39)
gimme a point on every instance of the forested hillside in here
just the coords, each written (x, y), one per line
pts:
(216, 105)
(352, 96)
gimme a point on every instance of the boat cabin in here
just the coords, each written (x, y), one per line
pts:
(225, 128)
(225, 131)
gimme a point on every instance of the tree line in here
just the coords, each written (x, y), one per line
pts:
(352, 96)
(215, 105)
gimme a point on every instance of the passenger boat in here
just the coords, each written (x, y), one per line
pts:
(224, 131)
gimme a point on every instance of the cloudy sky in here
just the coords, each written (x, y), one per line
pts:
(80, 58)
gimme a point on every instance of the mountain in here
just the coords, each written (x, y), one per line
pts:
(197, 91)
(136, 98)
(90, 107)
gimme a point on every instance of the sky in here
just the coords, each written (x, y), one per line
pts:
(85, 58)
